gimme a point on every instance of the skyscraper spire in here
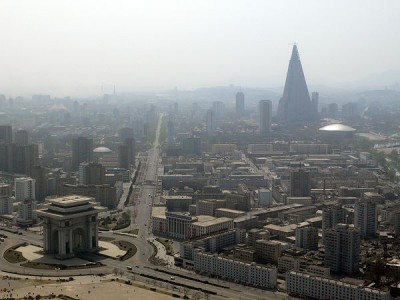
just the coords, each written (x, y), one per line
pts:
(295, 104)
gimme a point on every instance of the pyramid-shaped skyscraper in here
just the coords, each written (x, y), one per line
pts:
(295, 105)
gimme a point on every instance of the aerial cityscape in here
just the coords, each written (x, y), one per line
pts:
(224, 188)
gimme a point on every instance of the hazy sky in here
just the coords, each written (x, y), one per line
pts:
(72, 47)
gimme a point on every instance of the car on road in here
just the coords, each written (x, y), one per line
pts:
(129, 268)
(172, 278)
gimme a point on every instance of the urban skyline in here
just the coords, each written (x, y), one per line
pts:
(142, 184)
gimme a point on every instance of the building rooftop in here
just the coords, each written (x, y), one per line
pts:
(68, 207)
(337, 128)
(102, 150)
(213, 221)
(235, 211)
(69, 201)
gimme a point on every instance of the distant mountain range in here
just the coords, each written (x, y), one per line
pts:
(389, 79)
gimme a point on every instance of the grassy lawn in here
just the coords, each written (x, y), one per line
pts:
(126, 246)
(43, 266)
(167, 245)
(13, 256)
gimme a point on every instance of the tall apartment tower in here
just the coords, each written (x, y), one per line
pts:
(170, 131)
(210, 121)
(5, 190)
(366, 217)
(295, 105)
(82, 150)
(21, 137)
(332, 216)
(300, 183)
(127, 152)
(265, 107)
(25, 189)
(91, 173)
(6, 205)
(218, 108)
(239, 104)
(22, 158)
(5, 134)
(40, 175)
(307, 238)
(342, 249)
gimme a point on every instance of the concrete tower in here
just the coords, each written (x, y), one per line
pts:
(295, 105)
(25, 189)
(265, 116)
(366, 217)
(342, 249)
(239, 104)
(5, 134)
(300, 183)
(210, 121)
(82, 150)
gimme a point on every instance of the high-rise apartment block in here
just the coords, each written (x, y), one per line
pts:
(5, 134)
(265, 107)
(342, 249)
(24, 189)
(6, 205)
(82, 150)
(300, 183)
(91, 173)
(210, 123)
(26, 212)
(307, 238)
(332, 216)
(40, 175)
(21, 137)
(239, 104)
(366, 217)
(5, 190)
(127, 152)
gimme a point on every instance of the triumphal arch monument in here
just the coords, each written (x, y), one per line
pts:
(70, 225)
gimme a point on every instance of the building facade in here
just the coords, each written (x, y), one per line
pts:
(82, 151)
(265, 107)
(305, 285)
(342, 249)
(239, 104)
(25, 189)
(238, 271)
(366, 217)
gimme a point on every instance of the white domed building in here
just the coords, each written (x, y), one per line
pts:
(336, 131)
(105, 156)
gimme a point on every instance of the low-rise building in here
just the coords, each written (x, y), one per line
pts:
(236, 270)
(282, 232)
(246, 222)
(201, 228)
(177, 203)
(309, 286)
(288, 263)
(209, 206)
